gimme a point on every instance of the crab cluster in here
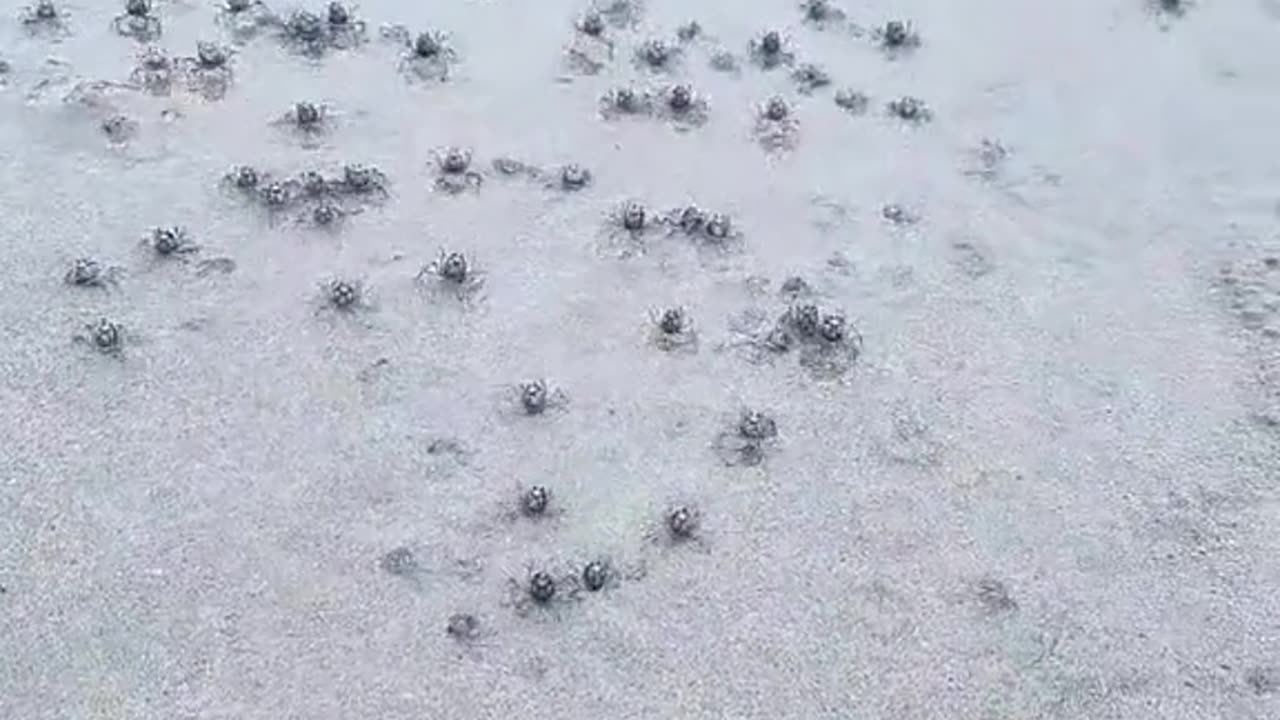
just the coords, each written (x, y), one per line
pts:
(709, 228)
(312, 34)
(319, 199)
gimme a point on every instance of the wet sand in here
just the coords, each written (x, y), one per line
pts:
(1047, 488)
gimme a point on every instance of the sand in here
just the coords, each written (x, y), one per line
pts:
(1047, 488)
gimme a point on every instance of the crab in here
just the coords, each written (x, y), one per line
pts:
(104, 335)
(244, 18)
(689, 219)
(591, 24)
(362, 180)
(307, 119)
(399, 561)
(539, 590)
(622, 13)
(821, 13)
(277, 195)
(896, 36)
(429, 56)
(119, 128)
(682, 522)
(154, 71)
(454, 273)
(624, 230)
(304, 31)
(314, 186)
(535, 501)
(625, 101)
(89, 273)
(809, 78)
(657, 55)
(803, 320)
(590, 49)
(244, 178)
(719, 227)
(327, 214)
(852, 101)
(137, 21)
(689, 31)
(684, 106)
(910, 109)
(745, 443)
(673, 329)
(208, 72)
(463, 627)
(345, 30)
(535, 397)
(769, 50)
(834, 349)
(596, 575)
(170, 242)
(573, 177)
(776, 125)
(343, 295)
(898, 214)
(455, 172)
(45, 18)
(679, 525)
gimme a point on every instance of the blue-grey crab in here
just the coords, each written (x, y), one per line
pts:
(852, 101)
(343, 295)
(454, 171)
(169, 242)
(659, 56)
(244, 19)
(821, 14)
(809, 78)
(770, 50)
(910, 109)
(747, 439)
(310, 121)
(896, 37)
(363, 181)
(535, 397)
(208, 72)
(453, 272)
(685, 108)
(672, 329)
(429, 55)
(103, 335)
(626, 101)
(344, 29)
(591, 48)
(46, 19)
(86, 272)
(154, 71)
(138, 21)
(625, 230)
(776, 127)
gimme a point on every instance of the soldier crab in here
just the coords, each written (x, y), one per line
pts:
(454, 171)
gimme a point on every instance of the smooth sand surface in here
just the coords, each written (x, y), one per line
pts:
(1046, 489)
